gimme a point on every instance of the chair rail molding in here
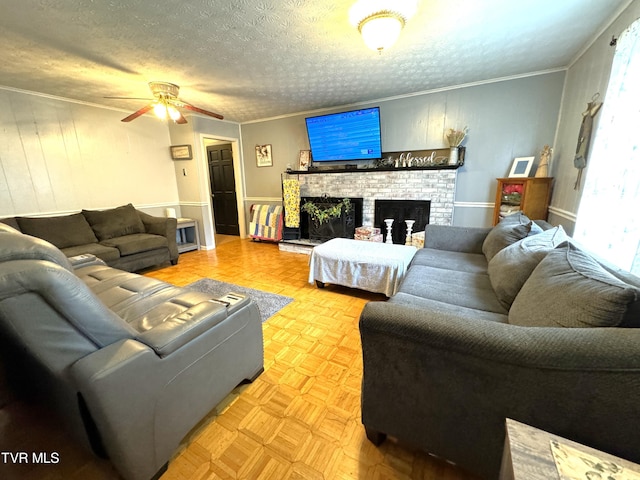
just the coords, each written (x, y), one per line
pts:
(563, 213)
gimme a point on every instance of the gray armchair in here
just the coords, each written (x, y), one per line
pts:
(132, 362)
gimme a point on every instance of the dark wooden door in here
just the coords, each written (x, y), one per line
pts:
(223, 189)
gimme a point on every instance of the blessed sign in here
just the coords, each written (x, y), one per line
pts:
(418, 158)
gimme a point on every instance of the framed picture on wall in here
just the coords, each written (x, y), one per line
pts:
(263, 156)
(304, 160)
(181, 152)
(521, 167)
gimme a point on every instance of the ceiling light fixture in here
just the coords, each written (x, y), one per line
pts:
(381, 21)
(162, 109)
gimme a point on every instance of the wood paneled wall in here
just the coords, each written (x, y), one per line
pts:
(58, 156)
(588, 75)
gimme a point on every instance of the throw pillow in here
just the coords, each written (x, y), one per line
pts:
(569, 288)
(63, 231)
(535, 229)
(510, 229)
(517, 218)
(115, 222)
(512, 266)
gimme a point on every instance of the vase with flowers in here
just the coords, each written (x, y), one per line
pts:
(454, 139)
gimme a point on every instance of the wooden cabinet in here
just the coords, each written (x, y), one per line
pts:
(527, 194)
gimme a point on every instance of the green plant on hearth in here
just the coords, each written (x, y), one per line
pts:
(322, 215)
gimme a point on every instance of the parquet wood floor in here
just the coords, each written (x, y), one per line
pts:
(301, 418)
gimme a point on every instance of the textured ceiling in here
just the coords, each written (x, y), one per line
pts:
(253, 59)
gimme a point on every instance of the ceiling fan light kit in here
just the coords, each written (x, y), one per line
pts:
(381, 21)
(163, 110)
(164, 89)
(166, 103)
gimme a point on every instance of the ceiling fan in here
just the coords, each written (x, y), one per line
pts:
(165, 103)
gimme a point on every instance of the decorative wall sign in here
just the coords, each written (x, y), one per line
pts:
(418, 158)
(263, 156)
(181, 152)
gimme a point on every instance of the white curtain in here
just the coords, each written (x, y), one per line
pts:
(608, 220)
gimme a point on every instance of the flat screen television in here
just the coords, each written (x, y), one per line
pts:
(353, 135)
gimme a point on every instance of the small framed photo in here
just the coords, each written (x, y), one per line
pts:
(181, 152)
(304, 160)
(521, 167)
(263, 156)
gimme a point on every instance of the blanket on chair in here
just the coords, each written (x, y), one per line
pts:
(266, 222)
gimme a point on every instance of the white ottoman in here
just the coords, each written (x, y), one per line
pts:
(375, 267)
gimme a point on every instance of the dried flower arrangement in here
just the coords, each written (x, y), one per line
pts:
(455, 137)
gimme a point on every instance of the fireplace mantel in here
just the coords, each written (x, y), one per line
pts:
(372, 170)
(430, 159)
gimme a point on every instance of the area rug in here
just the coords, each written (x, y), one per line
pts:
(268, 303)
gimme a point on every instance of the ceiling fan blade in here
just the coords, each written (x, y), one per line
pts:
(188, 106)
(181, 120)
(137, 114)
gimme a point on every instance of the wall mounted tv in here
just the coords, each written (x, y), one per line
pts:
(353, 135)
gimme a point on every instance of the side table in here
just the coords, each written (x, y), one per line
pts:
(528, 456)
(187, 235)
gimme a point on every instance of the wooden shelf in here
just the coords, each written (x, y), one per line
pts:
(372, 170)
(439, 154)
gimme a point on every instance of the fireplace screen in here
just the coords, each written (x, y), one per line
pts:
(401, 210)
(339, 227)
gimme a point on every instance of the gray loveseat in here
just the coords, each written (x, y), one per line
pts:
(503, 323)
(133, 363)
(123, 237)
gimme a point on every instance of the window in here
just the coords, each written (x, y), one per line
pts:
(608, 219)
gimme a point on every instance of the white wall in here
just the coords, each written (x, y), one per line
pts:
(588, 75)
(192, 176)
(58, 156)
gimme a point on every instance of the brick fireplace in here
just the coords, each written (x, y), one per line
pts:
(436, 186)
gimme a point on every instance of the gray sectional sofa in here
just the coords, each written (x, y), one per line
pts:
(515, 322)
(131, 362)
(123, 237)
